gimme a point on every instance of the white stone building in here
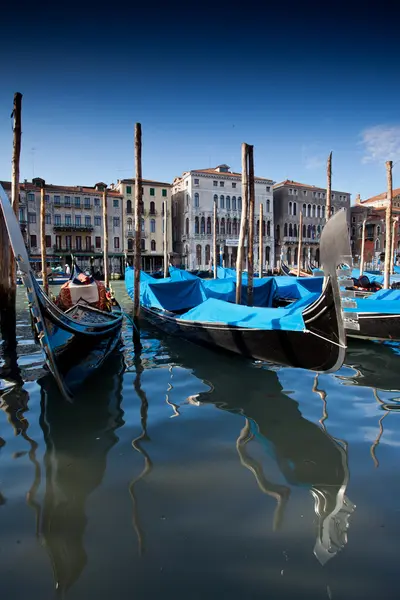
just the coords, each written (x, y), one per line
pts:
(193, 196)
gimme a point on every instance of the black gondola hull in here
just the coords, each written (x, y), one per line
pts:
(377, 326)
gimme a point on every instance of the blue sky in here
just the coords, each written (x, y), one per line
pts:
(202, 79)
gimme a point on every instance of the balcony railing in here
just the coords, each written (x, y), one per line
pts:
(71, 205)
(74, 249)
(72, 227)
(130, 233)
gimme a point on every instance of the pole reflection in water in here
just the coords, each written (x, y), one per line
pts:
(78, 437)
(137, 445)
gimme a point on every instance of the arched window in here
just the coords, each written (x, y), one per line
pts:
(284, 230)
(130, 244)
(129, 207)
(240, 203)
(278, 233)
(208, 225)
(196, 225)
(289, 256)
(196, 200)
(208, 255)
(143, 244)
(228, 203)
(295, 230)
(304, 255)
(268, 207)
(318, 211)
(221, 202)
(313, 210)
(319, 230)
(323, 212)
(202, 225)
(222, 230)
(141, 207)
(290, 230)
(317, 256)
(378, 230)
(129, 223)
(304, 231)
(152, 225)
(234, 227)
(268, 228)
(233, 202)
(304, 209)
(377, 244)
(353, 231)
(153, 245)
(217, 225)
(290, 208)
(313, 232)
(198, 255)
(142, 225)
(187, 227)
(332, 210)
(267, 254)
(48, 219)
(229, 227)
(309, 231)
(294, 208)
(263, 227)
(309, 210)
(152, 208)
(216, 198)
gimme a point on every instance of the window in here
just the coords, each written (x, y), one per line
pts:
(77, 201)
(208, 254)
(221, 202)
(97, 221)
(116, 221)
(153, 208)
(33, 241)
(222, 228)
(32, 218)
(318, 211)
(78, 220)
(202, 225)
(129, 224)
(97, 241)
(67, 201)
(141, 224)
(268, 228)
(88, 242)
(323, 212)
(294, 208)
(78, 242)
(309, 210)
(290, 192)
(196, 182)
(234, 184)
(152, 192)
(164, 192)
(57, 219)
(228, 227)
(215, 183)
(216, 198)
(187, 227)
(130, 244)
(187, 200)
(97, 202)
(234, 227)
(116, 203)
(295, 192)
(152, 225)
(143, 244)
(57, 200)
(285, 230)
(58, 242)
(48, 219)
(221, 184)
(290, 208)
(116, 243)
(209, 225)
(378, 230)
(295, 230)
(88, 220)
(31, 196)
(304, 231)
(233, 202)
(267, 254)
(239, 203)
(268, 206)
(196, 200)
(129, 189)
(353, 219)
(129, 207)
(68, 220)
(314, 194)
(86, 202)
(268, 188)
(153, 245)
(304, 192)
(290, 230)
(313, 211)
(332, 210)
(68, 241)
(46, 198)
(228, 203)
(309, 231)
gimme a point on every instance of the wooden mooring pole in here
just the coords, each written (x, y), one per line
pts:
(394, 223)
(250, 251)
(388, 227)
(43, 240)
(105, 230)
(329, 186)
(137, 256)
(260, 242)
(243, 222)
(166, 265)
(215, 259)
(7, 262)
(362, 246)
(300, 248)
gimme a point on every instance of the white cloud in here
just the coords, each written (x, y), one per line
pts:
(381, 143)
(311, 160)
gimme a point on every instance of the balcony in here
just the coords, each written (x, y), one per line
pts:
(72, 227)
(130, 233)
(74, 250)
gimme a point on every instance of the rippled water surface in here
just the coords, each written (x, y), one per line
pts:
(185, 473)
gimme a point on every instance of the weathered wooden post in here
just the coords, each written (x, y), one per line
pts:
(250, 253)
(243, 221)
(105, 230)
(166, 265)
(43, 239)
(261, 243)
(362, 247)
(388, 227)
(215, 260)
(300, 248)
(138, 199)
(329, 186)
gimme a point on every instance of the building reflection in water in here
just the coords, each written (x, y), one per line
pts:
(78, 437)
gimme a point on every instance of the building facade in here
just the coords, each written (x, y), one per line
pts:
(193, 197)
(154, 194)
(74, 224)
(290, 199)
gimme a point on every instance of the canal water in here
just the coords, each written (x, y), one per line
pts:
(184, 473)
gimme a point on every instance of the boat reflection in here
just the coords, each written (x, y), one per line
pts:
(305, 453)
(78, 438)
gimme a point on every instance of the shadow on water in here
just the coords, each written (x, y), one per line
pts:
(78, 437)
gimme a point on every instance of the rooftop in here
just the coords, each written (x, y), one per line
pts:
(32, 187)
(291, 183)
(380, 197)
(146, 181)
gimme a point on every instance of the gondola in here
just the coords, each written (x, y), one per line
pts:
(285, 270)
(378, 319)
(75, 342)
(308, 334)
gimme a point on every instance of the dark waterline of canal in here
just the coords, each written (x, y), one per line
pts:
(190, 474)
